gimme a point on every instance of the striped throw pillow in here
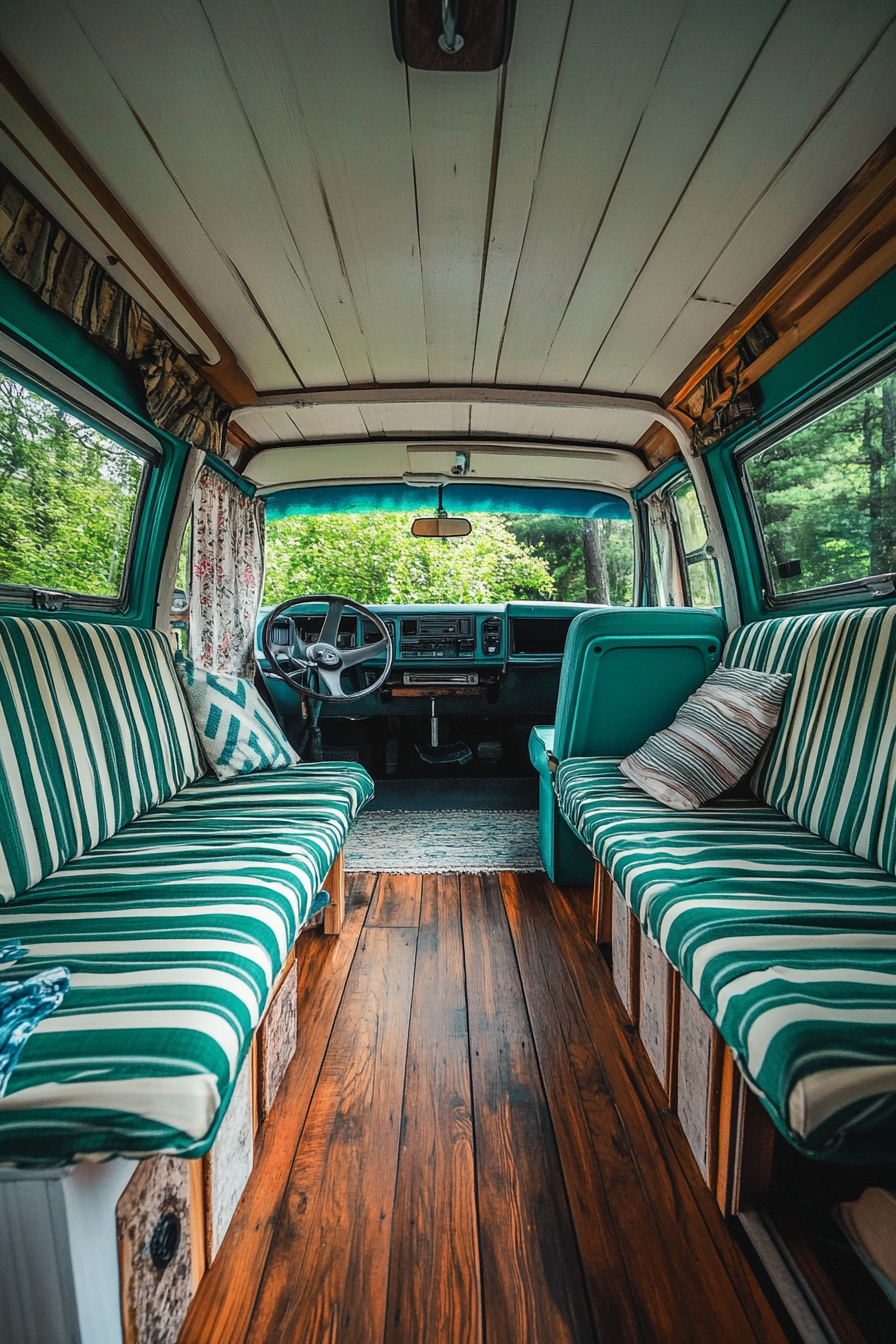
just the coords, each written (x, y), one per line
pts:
(238, 732)
(713, 741)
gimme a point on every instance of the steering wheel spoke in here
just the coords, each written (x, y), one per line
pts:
(352, 657)
(332, 679)
(330, 630)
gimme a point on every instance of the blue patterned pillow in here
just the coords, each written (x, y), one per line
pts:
(238, 732)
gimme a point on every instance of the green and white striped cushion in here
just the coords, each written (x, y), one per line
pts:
(832, 764)
(174, 931)
(94, 730)
(783, 938)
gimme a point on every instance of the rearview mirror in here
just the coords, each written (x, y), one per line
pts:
(441, 527)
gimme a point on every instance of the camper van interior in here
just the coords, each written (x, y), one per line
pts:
(447, 672)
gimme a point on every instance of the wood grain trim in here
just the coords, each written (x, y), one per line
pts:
(726, 1131)
(198, 1240)
(673, 1034)
(852, 213)
(833, 303)
(226, 377)
(334, 883)
(634, 968)
(602, 905)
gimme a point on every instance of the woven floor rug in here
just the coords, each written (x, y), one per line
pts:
(444, 842)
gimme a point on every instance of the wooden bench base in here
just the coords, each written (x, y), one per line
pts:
(729, 1132)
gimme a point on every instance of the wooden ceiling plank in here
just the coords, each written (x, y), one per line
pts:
(531, 77)
(328, 422)
(51, 53)
(199, 129)
(853, 210)
(783, 104)
(612, 58)
(452, 132)
(256, 55)
(516, 421)
(353, 95)
(806, 180)
(696, 324)
(670, 141)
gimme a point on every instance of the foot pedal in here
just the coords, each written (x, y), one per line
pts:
(457, 753)
(391, 755)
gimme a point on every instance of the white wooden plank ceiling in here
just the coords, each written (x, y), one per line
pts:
(585, 218)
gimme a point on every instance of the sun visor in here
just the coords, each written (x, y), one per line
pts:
(458, 498)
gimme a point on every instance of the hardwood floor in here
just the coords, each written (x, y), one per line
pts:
(470, 1146)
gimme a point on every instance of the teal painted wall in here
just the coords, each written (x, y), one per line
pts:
(53, 336)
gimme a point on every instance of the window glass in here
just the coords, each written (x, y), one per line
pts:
(825, 496)
(700, 573)
(374, 557)
(68, 495)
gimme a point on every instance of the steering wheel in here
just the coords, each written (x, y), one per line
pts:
(322, 661)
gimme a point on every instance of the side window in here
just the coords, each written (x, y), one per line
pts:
(700, 577)
(68, 500)
(825, 496)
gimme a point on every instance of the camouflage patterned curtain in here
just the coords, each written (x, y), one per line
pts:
(718, 404)
(35, 250)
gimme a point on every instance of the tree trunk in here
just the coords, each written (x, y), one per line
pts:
(874, 458)
(597, 586)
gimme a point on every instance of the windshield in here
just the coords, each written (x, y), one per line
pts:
(373, 558)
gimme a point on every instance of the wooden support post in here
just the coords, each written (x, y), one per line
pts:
(746, 1143)
(602, 905)
(673, 1029)
(197, 1219)
(626, 955)
(334, 883)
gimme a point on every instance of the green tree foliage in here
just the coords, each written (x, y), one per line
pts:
(373, 558)
(67, 496)
(562, 544)
(826, 495)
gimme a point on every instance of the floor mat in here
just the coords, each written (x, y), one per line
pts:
(444, 842)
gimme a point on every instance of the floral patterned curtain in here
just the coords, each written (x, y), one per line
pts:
(227, 575)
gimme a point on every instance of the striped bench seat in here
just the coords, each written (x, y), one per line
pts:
(173, 899)
(779, 910)
(737, 892)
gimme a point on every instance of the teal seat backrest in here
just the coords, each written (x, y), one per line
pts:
(627, 671)
(94, 730)
(832, 764)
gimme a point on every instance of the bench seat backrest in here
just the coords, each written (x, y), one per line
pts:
(94, 731)
(831, 765)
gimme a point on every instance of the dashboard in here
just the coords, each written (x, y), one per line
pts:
(508, 655)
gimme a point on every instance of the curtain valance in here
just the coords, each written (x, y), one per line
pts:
(37, 251)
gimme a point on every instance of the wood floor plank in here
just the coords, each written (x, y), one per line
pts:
(606, 1199)
(716, 1291)
(327, 1269)
(532, 1283)
(396, 902)
(223, 1304)
(434, 1278)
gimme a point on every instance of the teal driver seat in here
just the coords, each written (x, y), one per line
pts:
(626, 672)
